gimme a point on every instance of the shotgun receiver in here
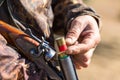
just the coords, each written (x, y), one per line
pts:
(33, 48)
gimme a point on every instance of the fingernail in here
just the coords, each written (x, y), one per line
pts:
(68, 41)
(85, 59)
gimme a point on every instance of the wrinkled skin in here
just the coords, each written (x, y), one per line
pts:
(82, 38)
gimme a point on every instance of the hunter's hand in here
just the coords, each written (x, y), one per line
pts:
(82, 38)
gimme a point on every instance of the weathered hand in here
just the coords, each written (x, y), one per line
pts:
(82, 38)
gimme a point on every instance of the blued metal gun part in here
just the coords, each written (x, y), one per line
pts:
(43, 47)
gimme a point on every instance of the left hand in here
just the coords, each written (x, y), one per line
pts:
(82, 38)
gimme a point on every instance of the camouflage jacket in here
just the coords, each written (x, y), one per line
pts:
(43, 17)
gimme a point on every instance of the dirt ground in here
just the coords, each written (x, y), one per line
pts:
(105, 63)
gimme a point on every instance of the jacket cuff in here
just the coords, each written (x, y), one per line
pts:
(75, 10)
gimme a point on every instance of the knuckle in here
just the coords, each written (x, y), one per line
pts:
(85, 65)
(72, 32)
(98, 40)
(76, 22)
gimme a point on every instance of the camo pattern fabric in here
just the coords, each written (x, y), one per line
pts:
(62, 9)
(35, 14)
(11, 68)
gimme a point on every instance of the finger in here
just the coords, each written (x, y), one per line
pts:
(89, 41)
(77, 49)
(79, 63)
(83, 59)
(74, 32)
(77, 66)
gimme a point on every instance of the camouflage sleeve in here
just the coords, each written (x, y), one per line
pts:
(11, 67)
(66, 10)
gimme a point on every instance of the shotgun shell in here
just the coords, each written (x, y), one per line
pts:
(61, 44)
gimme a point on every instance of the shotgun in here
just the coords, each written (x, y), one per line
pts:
(34, 49)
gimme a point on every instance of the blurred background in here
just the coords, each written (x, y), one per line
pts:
(105, 63)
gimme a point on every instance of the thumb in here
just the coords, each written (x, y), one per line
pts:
(73, 34)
